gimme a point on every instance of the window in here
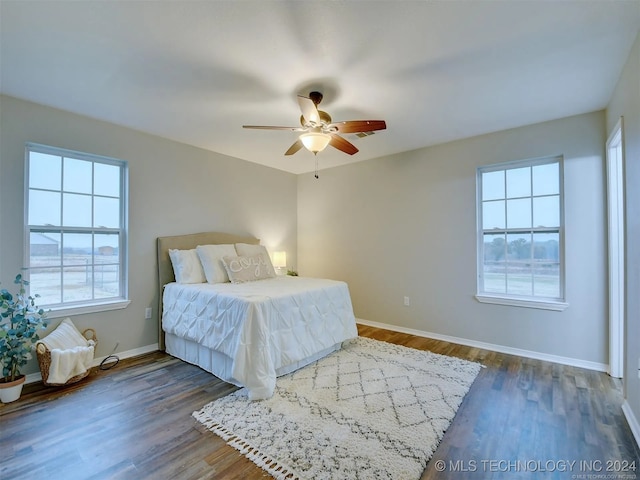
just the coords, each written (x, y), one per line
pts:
(76, 218)
(520, 234)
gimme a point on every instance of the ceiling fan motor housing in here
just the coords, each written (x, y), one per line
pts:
(316, 97)
(325, 118)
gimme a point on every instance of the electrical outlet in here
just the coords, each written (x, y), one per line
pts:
(407, 302)
(147, 313)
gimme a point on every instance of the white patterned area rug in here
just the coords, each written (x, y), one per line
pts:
(369, 410)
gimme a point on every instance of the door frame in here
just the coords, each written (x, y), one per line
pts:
(616, 229)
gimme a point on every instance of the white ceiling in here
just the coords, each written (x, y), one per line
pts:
(196, 71)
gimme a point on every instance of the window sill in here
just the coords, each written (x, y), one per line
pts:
(518, 302)
(83, 309)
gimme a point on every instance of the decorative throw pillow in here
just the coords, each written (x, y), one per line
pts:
(186, 266)
(248, 268)
(248, 250)
(65, 336)
(211, 258)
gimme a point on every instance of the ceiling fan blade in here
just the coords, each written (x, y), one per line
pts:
(341, 144)
(297, 145)
(268, 127)
(357, 126)
(309, 110)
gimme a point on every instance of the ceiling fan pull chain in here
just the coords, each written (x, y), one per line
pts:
(316, 173)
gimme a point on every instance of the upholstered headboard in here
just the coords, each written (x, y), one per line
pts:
(186, 242)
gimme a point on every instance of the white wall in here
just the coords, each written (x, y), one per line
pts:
(174, 189)
(625, 102)
(405, 225)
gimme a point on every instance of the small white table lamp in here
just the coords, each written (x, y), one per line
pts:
(280, 262)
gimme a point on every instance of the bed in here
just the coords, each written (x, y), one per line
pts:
(249, 333)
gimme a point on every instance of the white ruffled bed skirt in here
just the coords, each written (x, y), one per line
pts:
(220, 364)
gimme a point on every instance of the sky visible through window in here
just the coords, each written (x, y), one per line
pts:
(513, 189)
(61, 195)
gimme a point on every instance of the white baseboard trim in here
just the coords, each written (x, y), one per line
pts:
(632, 421)
(37, 377)
(573, 362)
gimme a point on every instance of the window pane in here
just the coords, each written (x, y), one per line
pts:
(546, 179)
(76, 211)
(493, 215)
(77, 249)
(495, 280)
(494, 263)
(107, 246)
(519, 248)
(519, 281)
(44, 249)
(46, 283)
(493, 185)
(546, 267)
(107, 180)
(77, 283)
(519, 278)
(494, 248)
(546, 247)
(77, 275)
(77, 175)
(44, 171)
(546, 211)
(107, 270)
(519, 213)
(107, 281)
(519, 182)
(106, 212)
(44, 208)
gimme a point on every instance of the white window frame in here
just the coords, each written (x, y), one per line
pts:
(95, 305)
(529, 301)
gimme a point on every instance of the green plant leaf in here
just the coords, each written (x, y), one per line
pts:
(21, 320)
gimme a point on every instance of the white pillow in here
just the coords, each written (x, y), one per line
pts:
(248, 250)
(248, 268)
(211, 259)
(186, 266)
(65, 336)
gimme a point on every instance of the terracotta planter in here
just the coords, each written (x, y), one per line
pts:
(11, 391)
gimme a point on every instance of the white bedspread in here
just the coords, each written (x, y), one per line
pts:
(262, 325)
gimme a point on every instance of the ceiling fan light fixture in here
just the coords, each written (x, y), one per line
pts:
(315, 141)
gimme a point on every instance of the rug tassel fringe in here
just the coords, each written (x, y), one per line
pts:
(269, 465)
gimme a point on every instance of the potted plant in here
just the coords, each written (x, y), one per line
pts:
(20, 320)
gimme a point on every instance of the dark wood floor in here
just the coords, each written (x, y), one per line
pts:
(522, 418)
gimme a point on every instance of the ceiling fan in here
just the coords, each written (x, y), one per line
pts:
(320, 130)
